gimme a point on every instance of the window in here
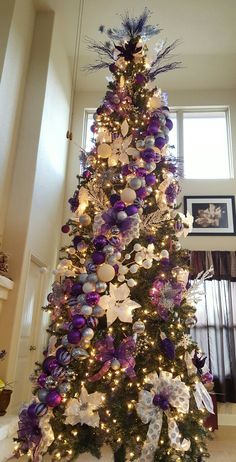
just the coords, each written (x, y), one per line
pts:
(199, 138)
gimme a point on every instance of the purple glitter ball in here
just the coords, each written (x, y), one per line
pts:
(41, 379)
(141, 193)
(100, 241)
(92, 298)
(53, 398)
(131, 210)
(119, 206)
(49, 364)
(74, 336)
(114, 198)
(31, 410)
(65, 229)
(160, 142)
(150, 179)
(141, 171)
(140, 79)
(76, 290)
(125, 170)
(169, 124)
(148, 155)
(78, 321)
(98, 257)
(63, 356)
(152, 129)
(87, 174)
(161, 401)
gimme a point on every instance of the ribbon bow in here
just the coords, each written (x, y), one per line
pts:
(106, 353)
(165, 392)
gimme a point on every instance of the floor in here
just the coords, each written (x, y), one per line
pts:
(222, 448)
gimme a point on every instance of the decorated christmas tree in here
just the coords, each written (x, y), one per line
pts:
(121, 368)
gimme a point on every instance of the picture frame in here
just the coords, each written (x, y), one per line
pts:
(213, 215)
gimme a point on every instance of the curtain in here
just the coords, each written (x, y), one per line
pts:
(215, 331)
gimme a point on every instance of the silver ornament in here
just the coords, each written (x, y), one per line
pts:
(112, 260)
(83, 277)
(115, 364)
(138, 327)
(122, 215)
(101, 287)
(64, 340)
(92, 277)
(81, 299)
(108, 249)
(140, 144)
(42, 394)
(98, 311)
(70, 374)
(86, 310)
(135, 183)
(149, 141)
(115, 230)
(64, 388)
(50, 383)
(79, 353)
(88, 287)
(85, 220)
(88, 333)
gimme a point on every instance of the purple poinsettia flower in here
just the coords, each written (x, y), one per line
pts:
(111, 220)
(29, 433)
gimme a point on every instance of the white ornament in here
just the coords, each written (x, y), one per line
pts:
(131, 282)
(164, 254)
(84, 409)
(134, 269)
(88, 287)
(118, 304)
(137, 247)
(147, 264)
(123, 269)
(106, 272)
(121, 278)
(128, 195)
(104, 150)
(155, 102)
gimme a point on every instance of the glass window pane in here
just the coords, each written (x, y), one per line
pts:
(205, 145)
(173, 134)
(88, 145)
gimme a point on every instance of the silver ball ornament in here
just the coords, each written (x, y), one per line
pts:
(42, 394)
(134, 268)
(79, 353)
(88, 287)
(50, 383)
(101, 287)
(122, 215)
(135, 183)
(115, 364)
(92, 277)
(112, 260)
(138, 327)
(85, 220)
(86, 310)
(83, 277)
(64, 388)
(98, 311)
(140, 144)
(88, 333)
(149, 141)
(108, 249)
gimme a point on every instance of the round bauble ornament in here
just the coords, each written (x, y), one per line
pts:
(123, 269)
(31, 410)
(41, 379)
(122, 215)
(78, 321)
(149, 141)
(58, 373)
(119, 206)
(134, 268)
(106, 272)
(79, 354)
(70, 375)
(147, 264)
(50, 383)
(74, 336)
(63, 356)
(138, 259)
(85, 219)
(121, 278)
(128, 195)
(40, 409)
(92, 298)
(85, 343)
(109, 249)
(65, 229)
(140, 144)
(86, 310)
(76, 289)
(53, 398)
(137, 247)
(138, 327)
(88, 333)
(131, 282)
(104, 150)
(42, 395)
(160, 142)
(49, 364)
(64, 388)
(155, 102)
(115, 364)
(88, 287)
(92, 322)
(98, 258)
(113, 199)
(98, 311)
(150, 179)
(164, 254)
(131, 210)
(83, 278)
(100, 241)
(112, 260)
(115, 230)
(101, 287)
(152, 129)
(142, 193)
(92, 277)
(151, 166)
(169, 124)
(135, 183)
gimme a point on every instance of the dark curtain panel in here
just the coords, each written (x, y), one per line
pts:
(215, 331)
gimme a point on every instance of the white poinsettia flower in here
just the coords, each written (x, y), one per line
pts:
(84, 409)
(187, 222)
(147, 253)
(121, 150)
(118, 304)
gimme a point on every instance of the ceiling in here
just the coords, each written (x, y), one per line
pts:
(205, 28)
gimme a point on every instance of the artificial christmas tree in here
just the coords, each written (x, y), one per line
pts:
(121, 368)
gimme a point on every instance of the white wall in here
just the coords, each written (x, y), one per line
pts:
(189, 187)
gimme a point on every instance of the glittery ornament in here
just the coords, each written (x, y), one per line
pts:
(78, 321)
(42, 394)
(63, 356)
(101, 287)
(88, 333)
(50, 383)
(115, 364)
(64, 388)
(85, 220)
(74, 336)
(138, 327)
(79, 353)
(53, 398)
(86, 310)
(98, 311)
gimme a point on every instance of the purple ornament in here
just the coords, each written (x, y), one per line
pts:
(161, 401)
(141, 171)
(58, 373)
(98, 257)
(125, 170)
(76, 241)
(41, 379)
(114, 198)
(63, 356)
(131, 210)
(119, 206)
(116, 268)
(65, 229)
(74, 336)
(49, 364)
(92, 298)
(112, 68)
(31, 410)
(78, 321)
(168, 348)
(76, 290)
(53, 398)
(169, 124)
(92, 322)
(115, 241)
(160, 142)
(150, 179)
(141, 193)
(40, 409)
(140, 79)
(152, 129)
(87, 174)
(148, 155)
(100, 241)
